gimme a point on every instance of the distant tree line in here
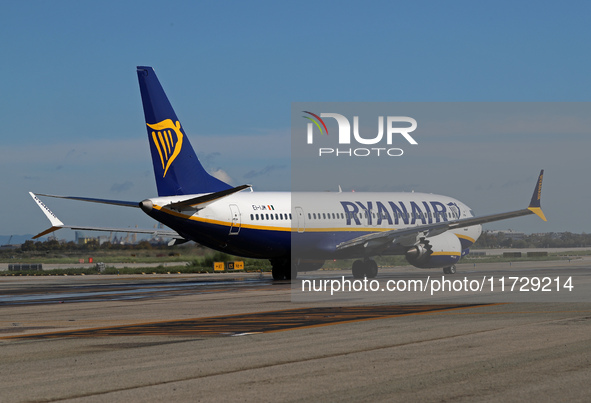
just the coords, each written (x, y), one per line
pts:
(546, 240)
(486, 240)
(91, 245)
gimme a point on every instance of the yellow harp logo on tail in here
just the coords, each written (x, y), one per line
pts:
(168, 139)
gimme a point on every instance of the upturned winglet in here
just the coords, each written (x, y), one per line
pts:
(55, 222)
(534, 205)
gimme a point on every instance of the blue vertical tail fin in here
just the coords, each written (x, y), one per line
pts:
(176, 166)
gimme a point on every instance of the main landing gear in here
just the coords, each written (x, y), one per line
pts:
(449, 270)
(365, 268)
(282, 269)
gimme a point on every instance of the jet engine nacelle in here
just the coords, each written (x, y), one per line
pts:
(437, 251)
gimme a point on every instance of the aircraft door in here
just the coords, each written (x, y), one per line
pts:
(235, 212)
(300, 219)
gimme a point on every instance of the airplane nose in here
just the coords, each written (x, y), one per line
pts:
(146, 205)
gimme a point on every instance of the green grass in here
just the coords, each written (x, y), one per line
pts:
(123, 270)
(140, 257)
(202, 262)
(197, 263)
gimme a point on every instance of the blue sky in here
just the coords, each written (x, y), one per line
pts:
(71, 113)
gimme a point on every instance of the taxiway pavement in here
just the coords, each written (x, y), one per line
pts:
(217, 337)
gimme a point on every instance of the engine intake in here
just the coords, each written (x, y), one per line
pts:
(438, 251)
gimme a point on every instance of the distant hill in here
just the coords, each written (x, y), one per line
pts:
(16, 239)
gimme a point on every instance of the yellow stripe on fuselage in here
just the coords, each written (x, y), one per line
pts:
(266, 227)
(446, 254)
(218, 222)
(349, 229)
(285, 229)
(467, 238)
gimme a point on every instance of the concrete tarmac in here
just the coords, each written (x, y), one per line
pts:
(71, 347)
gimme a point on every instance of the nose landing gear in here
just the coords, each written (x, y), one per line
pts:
(449, 270)
(365, 268)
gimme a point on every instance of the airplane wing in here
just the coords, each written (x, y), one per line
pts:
(373, 243)
(89, 199)
(195, 202)
(200, 201)
(57, 224)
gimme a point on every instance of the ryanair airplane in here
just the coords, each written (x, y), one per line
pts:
(296, 232)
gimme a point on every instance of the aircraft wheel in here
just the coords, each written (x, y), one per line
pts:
(282, 269)
(371, 268)
(358, 269)
(449, 270)
(278, 273)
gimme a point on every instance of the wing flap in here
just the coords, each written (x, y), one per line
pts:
(406, 236)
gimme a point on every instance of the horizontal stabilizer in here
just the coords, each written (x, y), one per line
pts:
(208, 198)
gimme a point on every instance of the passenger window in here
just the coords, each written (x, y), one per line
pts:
(257, 217)
(267, 216)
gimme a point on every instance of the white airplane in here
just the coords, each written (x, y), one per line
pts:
(299, 231)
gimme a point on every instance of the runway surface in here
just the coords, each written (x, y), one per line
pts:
(240, 337)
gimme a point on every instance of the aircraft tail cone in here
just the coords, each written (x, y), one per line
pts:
(146, 206)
